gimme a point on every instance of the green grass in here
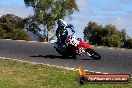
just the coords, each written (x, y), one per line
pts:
(15, 74)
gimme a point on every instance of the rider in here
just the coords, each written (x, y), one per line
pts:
(62, 32)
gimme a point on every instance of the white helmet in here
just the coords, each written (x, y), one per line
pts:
(60, 22)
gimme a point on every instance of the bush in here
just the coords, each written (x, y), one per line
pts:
(128, 43)
(18, 34)
(112, 41)
(107, 35)
(2, 33)
(11, 27)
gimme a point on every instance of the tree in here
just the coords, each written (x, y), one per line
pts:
(92, 33)
(31, 25)
(11, 26)
(111, 36)
(12, 21)
(128, 43)
(46, 12)
(19, 34)
(108, 35)
(112, 41)
(2, 33)
(123, 36)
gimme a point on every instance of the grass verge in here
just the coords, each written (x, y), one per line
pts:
(15, 74)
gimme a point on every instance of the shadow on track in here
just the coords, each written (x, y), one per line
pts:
(52, 56)
(60, 57)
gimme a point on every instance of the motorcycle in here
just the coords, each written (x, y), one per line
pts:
(74, 47)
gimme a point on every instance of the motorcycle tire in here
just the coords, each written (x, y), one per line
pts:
(93, 54)
(74, 56)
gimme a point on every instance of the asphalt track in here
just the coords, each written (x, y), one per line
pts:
(115, 61)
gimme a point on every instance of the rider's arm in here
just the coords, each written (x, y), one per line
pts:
(71, 27)
(57, 34)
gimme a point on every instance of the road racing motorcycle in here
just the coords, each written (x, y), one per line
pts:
(75, 46)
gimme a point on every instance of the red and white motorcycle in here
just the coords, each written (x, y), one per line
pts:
(76, 47)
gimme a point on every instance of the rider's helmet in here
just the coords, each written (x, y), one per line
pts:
(61, 23)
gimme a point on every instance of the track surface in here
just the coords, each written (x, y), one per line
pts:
(113, 60)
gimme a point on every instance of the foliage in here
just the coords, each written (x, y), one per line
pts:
(46, 12)
(11, 27)
(128, 43)
(31, 25)
(90, 32)
(11, 20)
(112, 40)
(18, 34)
(2, 33)
(108, 35)
(123, 35)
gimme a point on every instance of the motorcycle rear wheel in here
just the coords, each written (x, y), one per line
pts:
(93, 54)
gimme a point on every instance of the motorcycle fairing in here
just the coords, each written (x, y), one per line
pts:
(83, 44)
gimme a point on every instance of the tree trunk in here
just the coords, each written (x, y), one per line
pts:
(47, 40)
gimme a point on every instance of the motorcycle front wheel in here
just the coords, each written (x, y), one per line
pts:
(93, 54)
